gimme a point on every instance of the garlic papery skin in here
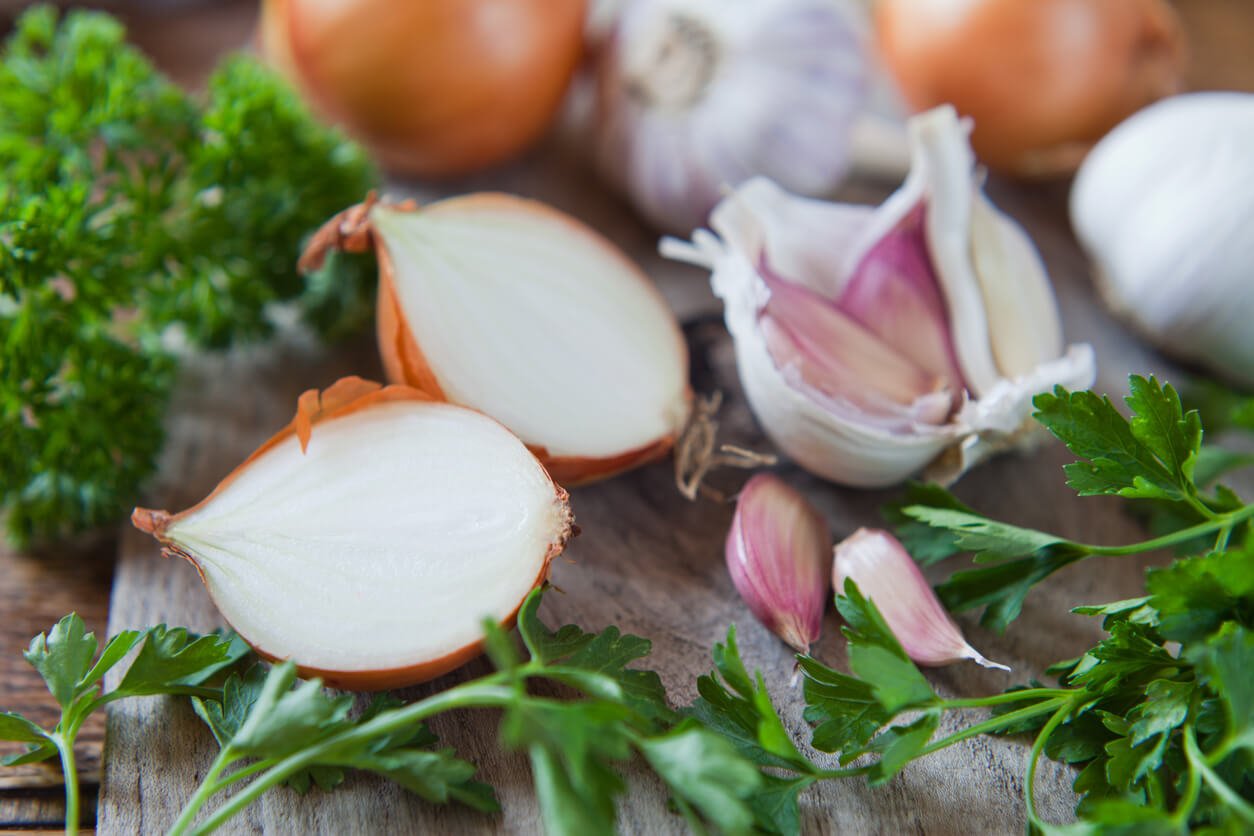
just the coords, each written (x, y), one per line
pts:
(777, 557)
(368, 539)
(933, 285)
(887, 576)
(1164, 205)
(510, 307)
(695, 96)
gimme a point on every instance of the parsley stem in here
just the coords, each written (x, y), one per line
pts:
(1008, 697)
(1194, 786)
(992, 724)
(207, 788)
(1218, 786)
(1218, 523)
(489, 692)
(240, 774)
(1038, 746)
(69, 770)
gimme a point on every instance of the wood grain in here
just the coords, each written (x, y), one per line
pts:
(649, 562)
(652, 563)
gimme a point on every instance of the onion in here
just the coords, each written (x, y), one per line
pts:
(1043, 79)
(510, 307)
(436, 87)
(369, 538)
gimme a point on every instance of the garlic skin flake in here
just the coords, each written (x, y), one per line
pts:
(887, 575)
(697, 95)
(931, 320)
(1174, 244)
(777, 557)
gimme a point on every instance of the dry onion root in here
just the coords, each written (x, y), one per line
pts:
(515, 309)
(369, 538)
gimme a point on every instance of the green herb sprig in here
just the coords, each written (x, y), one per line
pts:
(169, 661)
(1158, 717)
(137, 221)
(1155, 457)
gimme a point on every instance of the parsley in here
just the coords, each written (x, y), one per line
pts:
(72, 664)
(1156, 457)
(1157, 717)
(135, 221)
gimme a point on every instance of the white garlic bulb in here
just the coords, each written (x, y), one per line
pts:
(1164, 205)
(874, 342)
(695, 96)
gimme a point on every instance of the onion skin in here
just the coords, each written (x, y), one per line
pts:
(344, 397)
(436, 88)
(403, 360)
(1043, 79)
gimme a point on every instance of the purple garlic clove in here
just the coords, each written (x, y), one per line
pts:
(886, 574)
(777, 556)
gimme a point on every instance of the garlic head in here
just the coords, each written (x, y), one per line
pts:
(1164, 205)
(698, 95)
(874, 342)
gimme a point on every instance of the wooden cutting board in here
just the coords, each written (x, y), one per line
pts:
(648, 561)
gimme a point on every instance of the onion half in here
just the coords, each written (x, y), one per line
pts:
(369, 538)
(513, 308)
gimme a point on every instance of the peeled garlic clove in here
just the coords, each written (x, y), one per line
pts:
(510, 307)
(887, 575)
(368, 539)
(942, 280)
(777, 556)
(1164, 205)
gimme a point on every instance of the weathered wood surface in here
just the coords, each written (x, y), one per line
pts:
(648, 562)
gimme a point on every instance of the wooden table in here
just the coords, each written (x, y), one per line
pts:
(660, 580)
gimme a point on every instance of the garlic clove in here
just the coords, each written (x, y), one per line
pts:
(777, 557)
(894, 293)
(515, 309)
(368, 539)
(820, 348)
(887, 575)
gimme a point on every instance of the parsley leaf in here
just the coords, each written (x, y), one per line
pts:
(704, 771)
(1150, 457)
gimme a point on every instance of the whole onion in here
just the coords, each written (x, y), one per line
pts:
(434, 87)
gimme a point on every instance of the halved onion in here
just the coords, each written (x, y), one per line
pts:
(369, 538)
(522, 312)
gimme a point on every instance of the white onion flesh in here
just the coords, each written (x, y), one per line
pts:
(538, 322)
(384, 545)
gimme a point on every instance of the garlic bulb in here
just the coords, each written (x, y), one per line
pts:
(1165, 207)
(874, 342)
(368, 539)
(515, 309)
(699, 95)
(887, 576)
(777, 554)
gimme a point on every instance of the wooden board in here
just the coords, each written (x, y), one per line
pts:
(647, 561)
(652, 563)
